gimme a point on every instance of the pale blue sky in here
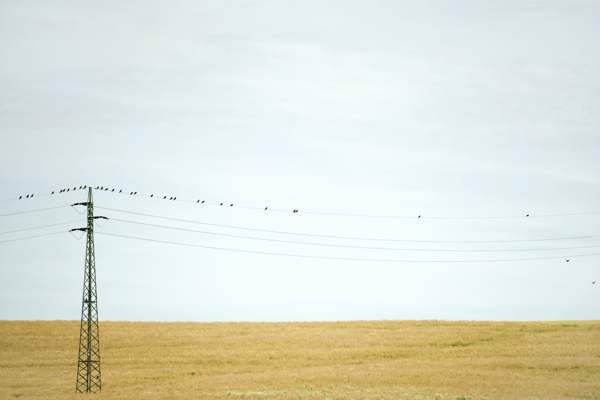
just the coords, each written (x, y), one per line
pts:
(431, 108)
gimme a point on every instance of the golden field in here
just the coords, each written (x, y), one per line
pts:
(370, 360)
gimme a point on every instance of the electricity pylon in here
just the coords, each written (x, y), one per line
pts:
(88, 364)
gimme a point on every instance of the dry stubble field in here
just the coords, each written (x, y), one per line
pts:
(322, 360)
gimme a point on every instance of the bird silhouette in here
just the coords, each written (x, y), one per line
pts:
(102, 188)
(419, 216)
(221, 203)
(31, 195)
(266, 208)
(568, 260)
(84, 186)
(151, 195)
(52, 193)
(202, 201)
(197, 201)
(20, 197)
(130, 193)
(113, 190)
(79, 187)
(164, 197)
(134, 192)
(174, 198)
(27, 197)
(96, 187)
(170, 198)
(68, 190)
(105, 189)
(593, 282)
(75, 188)
(231, 205)
(120, 191)
(527, 215)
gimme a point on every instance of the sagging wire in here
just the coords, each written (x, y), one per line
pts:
(31, 237)
(344, 237)
(348, 258)
(355, 247)
(38, 227)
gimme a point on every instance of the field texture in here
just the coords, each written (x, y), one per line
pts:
(322, 360)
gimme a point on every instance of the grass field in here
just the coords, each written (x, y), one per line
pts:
(325, 360)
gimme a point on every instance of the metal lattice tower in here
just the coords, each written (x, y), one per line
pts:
(88, 363)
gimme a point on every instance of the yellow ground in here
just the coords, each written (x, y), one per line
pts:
(326, 360)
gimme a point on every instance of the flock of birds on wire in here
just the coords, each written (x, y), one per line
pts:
(172, 198)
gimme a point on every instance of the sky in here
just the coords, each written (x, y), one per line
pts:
(362, 116)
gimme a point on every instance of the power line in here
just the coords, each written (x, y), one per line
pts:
(347, 258)
(31, 237)
(453, 217)
(347, 237)
(31, 196)
(230, 204)
(38, 227)
(30, 211)
(353, 247)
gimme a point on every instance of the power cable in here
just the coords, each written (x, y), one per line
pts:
(229, 204)
(38, 227)
(352, 247)
(346, 237)
(31, 237)
(346, 258)
(30, 211)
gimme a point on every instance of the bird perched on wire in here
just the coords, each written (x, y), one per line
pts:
(197, 201)
(120, 190)
(568, 260)
(20, 197)
(593, 282)
(151, 195)
(266, 208)
(113, 190)
(527, 215)
(231, 205)
(134, 192)
(174, 198)
(221, 204)
(170, 198)
(419, 216)
(52, 193)
(202, 202)
(27, 197)
(164, 197)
